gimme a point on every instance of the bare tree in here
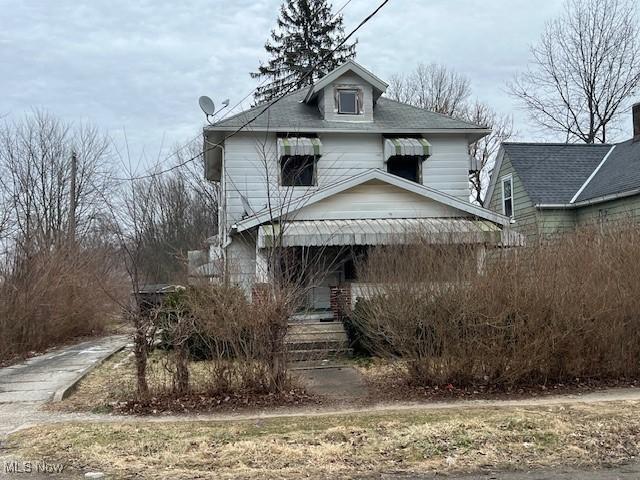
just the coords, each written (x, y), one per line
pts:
(182, 215)
(35, 158)
(56, 281)
(155, 218)
(583, 70)
(484, 150)
(434, 87)
(437, 88)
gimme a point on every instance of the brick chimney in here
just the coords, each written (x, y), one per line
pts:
(636, 122)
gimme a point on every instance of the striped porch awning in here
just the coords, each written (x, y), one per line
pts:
(299, 146)
(406, 146)
(306, 233)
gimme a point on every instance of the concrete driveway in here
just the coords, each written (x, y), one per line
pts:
(26, 386)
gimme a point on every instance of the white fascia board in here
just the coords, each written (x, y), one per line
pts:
(494, 176)
(373, 174)
(350, 65)
(290, 128)
(591, 201)
(593, 174)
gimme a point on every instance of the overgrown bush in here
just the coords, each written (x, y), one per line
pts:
(53, 297)
(353, 325)
(552, 312)
(242, 342)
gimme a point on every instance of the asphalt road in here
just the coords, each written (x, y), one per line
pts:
(624, 472)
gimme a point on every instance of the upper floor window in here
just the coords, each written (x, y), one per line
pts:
(408, 167)
(298, 170)
(507, 195)
(348, 102)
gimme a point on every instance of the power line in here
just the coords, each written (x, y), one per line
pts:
(340, 9)
(228, 112)
(270, 103)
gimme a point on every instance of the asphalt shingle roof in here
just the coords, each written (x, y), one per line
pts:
(619, 173)
(552, 173)
(290, 113)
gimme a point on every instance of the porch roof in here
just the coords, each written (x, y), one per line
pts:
(388, 231)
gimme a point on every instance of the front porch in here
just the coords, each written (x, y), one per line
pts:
(322, 257)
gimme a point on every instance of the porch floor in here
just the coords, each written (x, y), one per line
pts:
(312, 316)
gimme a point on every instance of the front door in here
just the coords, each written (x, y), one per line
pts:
(320, 295)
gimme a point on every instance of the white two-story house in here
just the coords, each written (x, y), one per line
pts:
(335, 169)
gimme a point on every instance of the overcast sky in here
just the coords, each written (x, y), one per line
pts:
(139, 66)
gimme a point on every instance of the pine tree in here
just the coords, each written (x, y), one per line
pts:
(306, 32)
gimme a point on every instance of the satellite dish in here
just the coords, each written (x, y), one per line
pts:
(207, 105)
(245, 205)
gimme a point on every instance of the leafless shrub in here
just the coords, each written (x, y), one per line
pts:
(54, 296)
(240, 344)
(246, 340)
(57, 275)
(558, 311)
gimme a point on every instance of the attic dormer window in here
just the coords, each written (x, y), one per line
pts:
(348, 102)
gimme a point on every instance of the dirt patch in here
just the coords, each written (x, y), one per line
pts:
(342, 446)
(386, 383)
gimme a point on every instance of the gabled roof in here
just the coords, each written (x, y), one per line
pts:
(291, 114)
(619, 173)
(378, 85)
(552, 173)
(367, 176)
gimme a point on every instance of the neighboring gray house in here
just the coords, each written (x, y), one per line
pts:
(339, 167)
(551, 188)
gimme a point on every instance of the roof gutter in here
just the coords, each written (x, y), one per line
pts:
(591, 201)
(290, 128)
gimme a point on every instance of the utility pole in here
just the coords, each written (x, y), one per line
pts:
(72, 197)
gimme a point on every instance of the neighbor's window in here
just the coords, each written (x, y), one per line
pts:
(348, 102)
(507, 196)
(405, 166)
(298, 170)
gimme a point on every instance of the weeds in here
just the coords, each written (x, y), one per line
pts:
(554, 312)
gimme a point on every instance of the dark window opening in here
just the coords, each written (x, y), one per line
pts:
(298, 170)
(407, 167)
(348, 102)
(507, 197)
(350, 273)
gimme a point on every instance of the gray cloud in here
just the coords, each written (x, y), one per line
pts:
(139, 66)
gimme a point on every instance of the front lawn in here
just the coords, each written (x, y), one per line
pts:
(112, 388)
(340, 446)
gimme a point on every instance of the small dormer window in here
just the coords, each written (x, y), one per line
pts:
(348, 102)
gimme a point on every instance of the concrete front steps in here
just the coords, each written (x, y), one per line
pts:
(313, 341)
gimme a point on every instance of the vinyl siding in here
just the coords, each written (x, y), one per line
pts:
(251, 167)
(622, 209)
(553, 222)
(241, 260)
(524, 213)
(376, 201)
(347, 81)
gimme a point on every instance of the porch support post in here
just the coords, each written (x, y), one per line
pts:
(262, 265)
(260, 287)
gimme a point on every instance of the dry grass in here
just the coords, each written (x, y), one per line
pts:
(387, 383)
(112, 386)
(341, 446)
